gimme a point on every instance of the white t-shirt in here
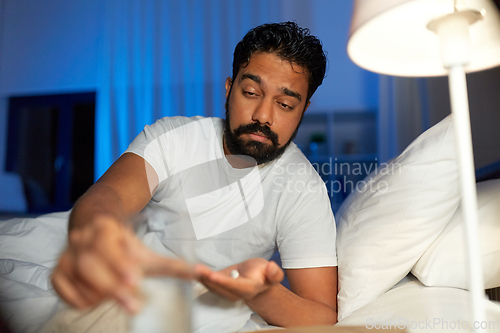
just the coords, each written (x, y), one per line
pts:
(227, 215)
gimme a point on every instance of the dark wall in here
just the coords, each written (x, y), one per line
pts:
(484, 104)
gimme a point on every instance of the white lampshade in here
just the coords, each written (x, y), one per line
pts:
(391, 36)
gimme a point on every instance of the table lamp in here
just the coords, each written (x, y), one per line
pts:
(434, 38)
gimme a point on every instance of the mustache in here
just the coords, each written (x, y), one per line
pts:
(256, 128)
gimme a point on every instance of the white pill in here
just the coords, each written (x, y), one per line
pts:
(235, 274)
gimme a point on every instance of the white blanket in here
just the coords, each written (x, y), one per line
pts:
(30, 249)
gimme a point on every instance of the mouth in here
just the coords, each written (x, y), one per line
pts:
(258, 136)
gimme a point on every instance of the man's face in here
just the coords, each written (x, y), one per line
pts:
(264, 107)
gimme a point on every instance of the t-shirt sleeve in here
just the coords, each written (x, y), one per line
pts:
(307, 236)
(156, 146)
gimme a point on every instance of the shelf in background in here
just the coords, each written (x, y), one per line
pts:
(342, 146)
(343, 158)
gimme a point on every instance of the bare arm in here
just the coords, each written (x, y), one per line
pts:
(104, 259)
(312, 301)
(122, 191)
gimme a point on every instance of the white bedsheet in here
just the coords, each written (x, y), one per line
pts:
(412, 306)
(30, 249)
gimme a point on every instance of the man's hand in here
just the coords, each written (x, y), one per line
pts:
(104, 260)
(255, 276)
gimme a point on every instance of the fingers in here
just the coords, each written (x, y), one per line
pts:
(88, 282)
(105, 244)
(101, 276)
(106, 261)
(220, 289)
(201, 270)
(256, 275)
(113, 250)
(206, 276)
(103, 263)
(158, 265)
(68, 291)
(90, 296)
(232, 289)
(95, 266)
(274, 273)
(153, 264)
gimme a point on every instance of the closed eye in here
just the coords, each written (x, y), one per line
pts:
(285, 106)
(250, 94)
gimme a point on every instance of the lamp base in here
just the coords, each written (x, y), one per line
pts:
(463, 139)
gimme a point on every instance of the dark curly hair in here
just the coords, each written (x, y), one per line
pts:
(288, 41)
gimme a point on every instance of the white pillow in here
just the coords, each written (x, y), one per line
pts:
(444, 262)
(385, 227)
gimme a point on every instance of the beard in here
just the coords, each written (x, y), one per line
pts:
(261, 152)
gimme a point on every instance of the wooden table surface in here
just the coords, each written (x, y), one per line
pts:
(330, 329)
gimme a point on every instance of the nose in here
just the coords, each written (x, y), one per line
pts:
(263, 113)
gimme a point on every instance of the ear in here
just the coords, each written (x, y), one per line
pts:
(307, 105)
(229, 83)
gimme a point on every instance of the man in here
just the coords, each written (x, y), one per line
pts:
(234, 190)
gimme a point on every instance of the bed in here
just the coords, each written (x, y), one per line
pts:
(406, 220)
(399, 242)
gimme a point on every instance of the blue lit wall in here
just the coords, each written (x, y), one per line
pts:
(55, 46)
(45, 47)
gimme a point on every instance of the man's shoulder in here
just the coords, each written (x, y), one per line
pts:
(179, 125)
(177, 121)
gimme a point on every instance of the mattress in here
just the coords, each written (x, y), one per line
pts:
(412, 306)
